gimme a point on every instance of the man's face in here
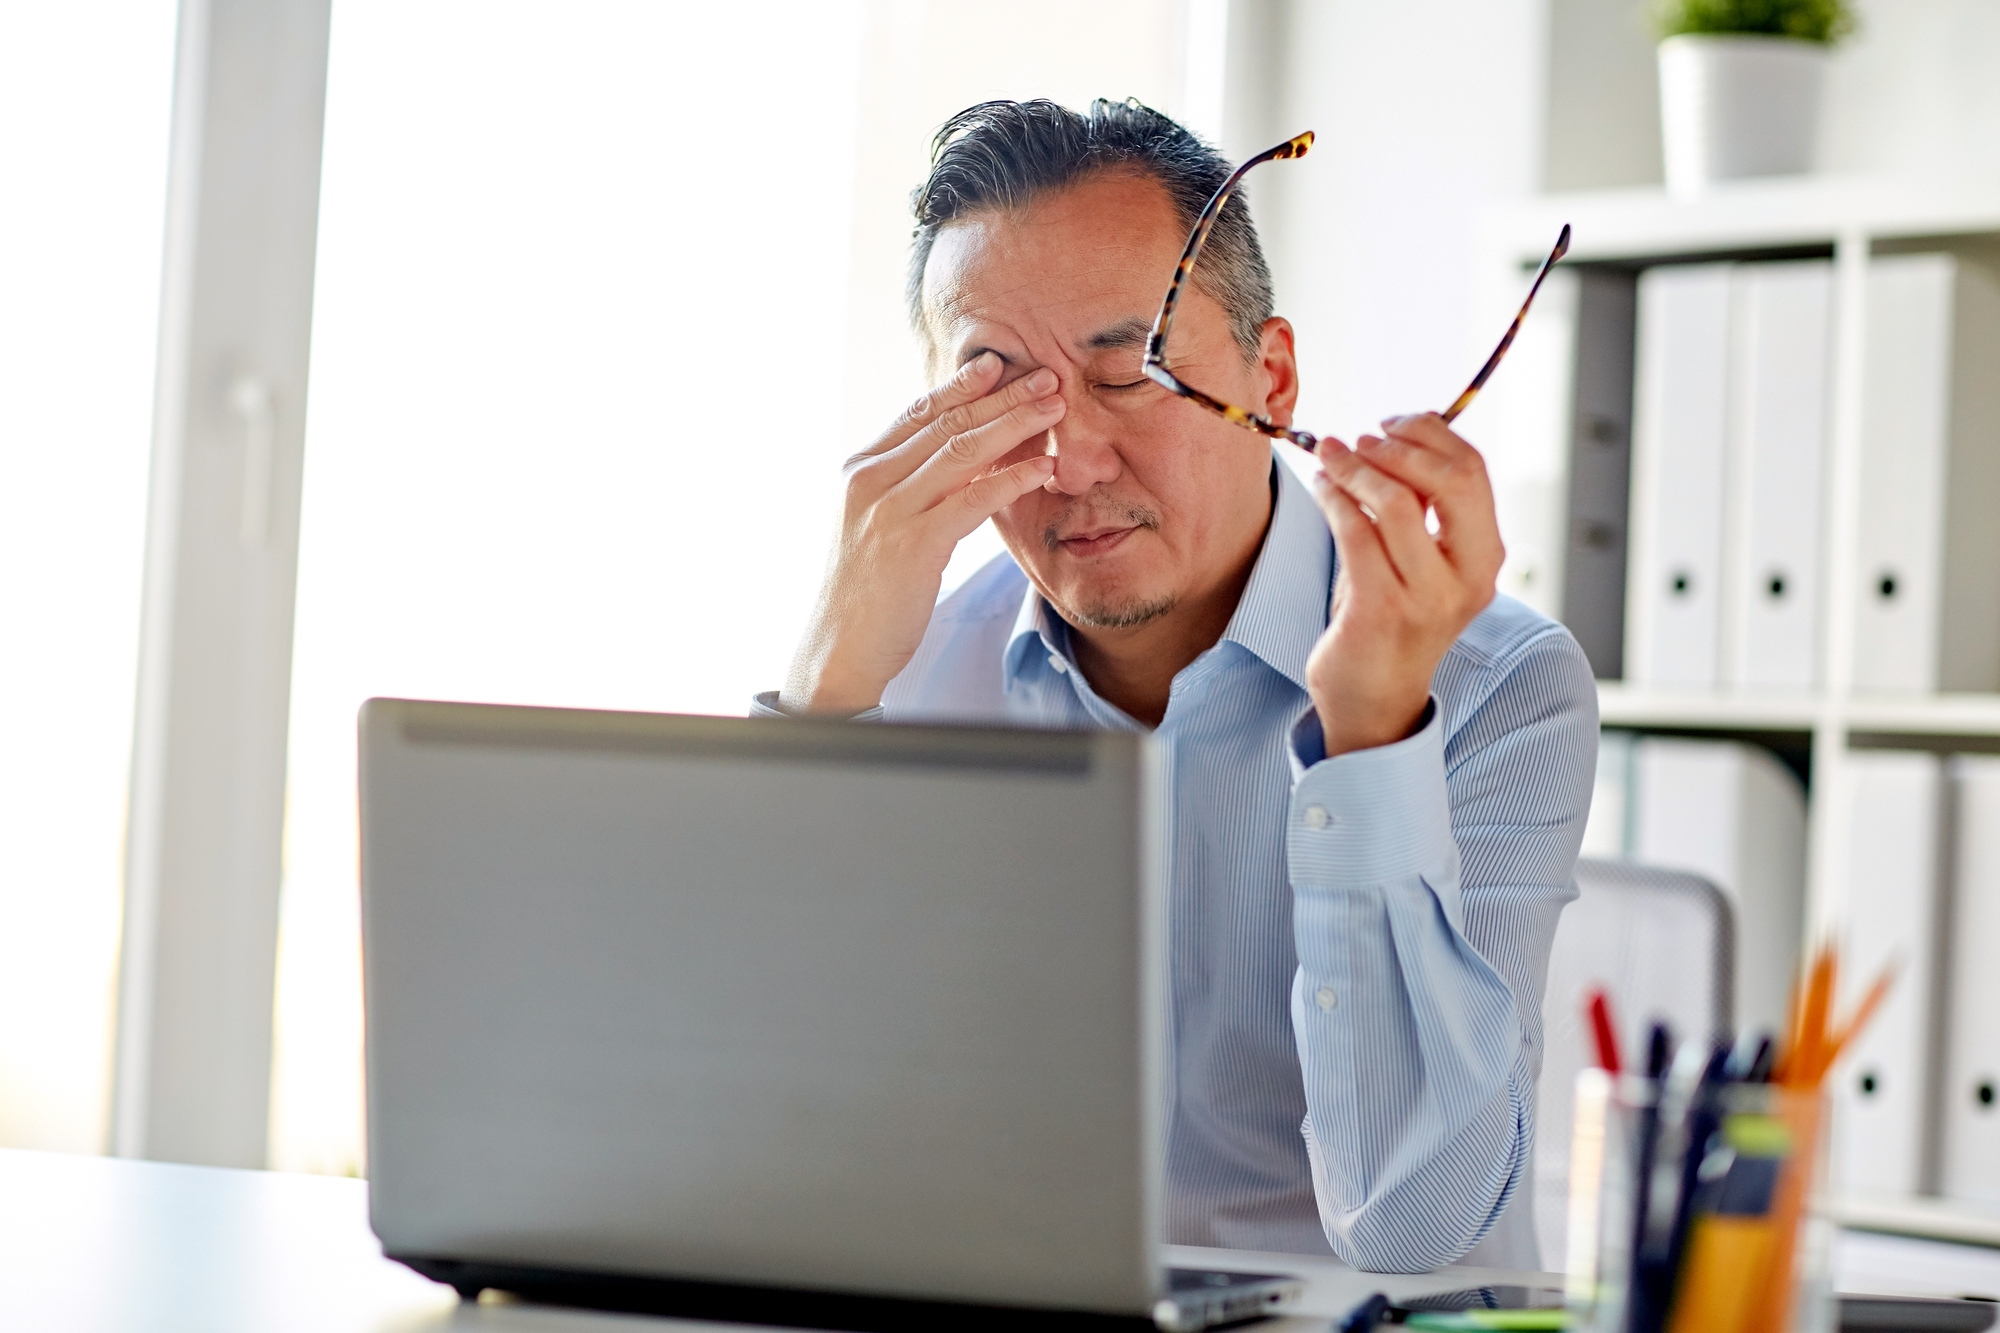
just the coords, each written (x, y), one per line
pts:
(1155, 502)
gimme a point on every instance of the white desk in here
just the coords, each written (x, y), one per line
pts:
(90, 1244)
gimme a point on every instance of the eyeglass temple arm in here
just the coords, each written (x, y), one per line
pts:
(1464, 400)
(1156, 342)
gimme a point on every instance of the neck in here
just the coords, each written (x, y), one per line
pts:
(1134, 667)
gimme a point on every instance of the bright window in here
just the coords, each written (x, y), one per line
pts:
(85, 92)
(605, 294)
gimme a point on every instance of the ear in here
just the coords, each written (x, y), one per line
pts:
(1278, 367)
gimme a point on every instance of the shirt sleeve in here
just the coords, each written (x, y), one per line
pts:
(1428, 876)
(765, 704)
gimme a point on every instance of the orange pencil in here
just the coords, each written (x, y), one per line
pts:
(1805, 1061)
(1858, 1019)
(1815, 1046)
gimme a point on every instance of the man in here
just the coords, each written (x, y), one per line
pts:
(1379, 771)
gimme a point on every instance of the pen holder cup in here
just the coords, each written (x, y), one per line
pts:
(1727, 1235)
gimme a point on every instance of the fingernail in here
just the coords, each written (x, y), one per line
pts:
(1042, 381)
(1052, 404)
(981, 362)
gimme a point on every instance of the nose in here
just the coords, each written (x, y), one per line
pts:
(1084, 446)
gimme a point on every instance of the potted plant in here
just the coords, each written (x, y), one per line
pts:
(1740, 85)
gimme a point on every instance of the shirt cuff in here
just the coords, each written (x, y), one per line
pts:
(765, 704)
(1369, 816)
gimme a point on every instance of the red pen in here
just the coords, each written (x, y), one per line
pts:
(1599, 1008)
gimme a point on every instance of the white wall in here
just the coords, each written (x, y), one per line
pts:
(1426, 110)
(1915, 89)
(1912, 90)
(1604, 96)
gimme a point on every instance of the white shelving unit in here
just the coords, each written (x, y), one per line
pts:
(1927, 719)
(1854, 216)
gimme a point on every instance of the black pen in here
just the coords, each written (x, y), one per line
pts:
(1760, 1064)
(1704, 1120)
(1658, 1046)
(1364, 1317)
(1675, 1122)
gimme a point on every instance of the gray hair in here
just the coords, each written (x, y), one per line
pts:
(1005, 154)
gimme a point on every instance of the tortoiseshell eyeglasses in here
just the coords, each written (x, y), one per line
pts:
(1156, 342)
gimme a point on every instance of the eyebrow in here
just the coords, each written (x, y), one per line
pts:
(1130, 332)
(1127, 333)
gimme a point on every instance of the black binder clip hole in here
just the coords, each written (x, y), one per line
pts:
(1775, 586)
(1868, 1083)
(1984, 1092)
(1681, 583)
(1885, 587)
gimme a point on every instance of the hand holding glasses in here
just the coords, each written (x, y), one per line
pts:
(1156, 342)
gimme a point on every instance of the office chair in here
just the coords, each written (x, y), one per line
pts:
(1662, 944)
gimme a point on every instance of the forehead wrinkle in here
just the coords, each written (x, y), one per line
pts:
(1103, 277)
(994, 244)
(957, 302)
(997, 238)
(958, 315)
(1131, 331)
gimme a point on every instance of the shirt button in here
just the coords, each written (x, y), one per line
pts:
(1326, 998)
(1061, 667)
(1317, 817)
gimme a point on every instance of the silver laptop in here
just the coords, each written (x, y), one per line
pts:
(798, 1022)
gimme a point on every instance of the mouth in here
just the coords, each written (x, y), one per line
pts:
(1096, 541)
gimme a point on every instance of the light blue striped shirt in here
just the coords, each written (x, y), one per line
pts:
(1358, 944)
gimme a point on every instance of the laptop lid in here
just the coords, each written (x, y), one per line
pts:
(811, 1004)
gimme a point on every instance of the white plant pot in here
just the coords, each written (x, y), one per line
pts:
(1736, 105)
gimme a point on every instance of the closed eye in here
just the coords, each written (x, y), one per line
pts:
(1138, 383)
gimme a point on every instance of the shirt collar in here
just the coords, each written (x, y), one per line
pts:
(1038, 631)
(1284, 607)
(1280, 616)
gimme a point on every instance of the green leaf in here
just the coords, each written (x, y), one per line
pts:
(1821, 21)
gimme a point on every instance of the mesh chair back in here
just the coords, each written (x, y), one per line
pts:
(1662, 944)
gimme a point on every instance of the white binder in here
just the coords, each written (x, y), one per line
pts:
(1780, 350)
(1679, 476)
(1889, 803)
(1971, 1091)
(1928, 546)
(1733, 813)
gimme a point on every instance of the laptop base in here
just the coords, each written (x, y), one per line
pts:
(728, 1302)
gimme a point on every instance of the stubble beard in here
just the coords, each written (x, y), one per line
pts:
(1124, 614)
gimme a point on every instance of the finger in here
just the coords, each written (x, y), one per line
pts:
(973, 380)
(1399, 521)
(1427, 429)
(972, 505)
(1426, 455)
(960, 459)
(1362, 559)
(1414, 457)
(960, 419)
